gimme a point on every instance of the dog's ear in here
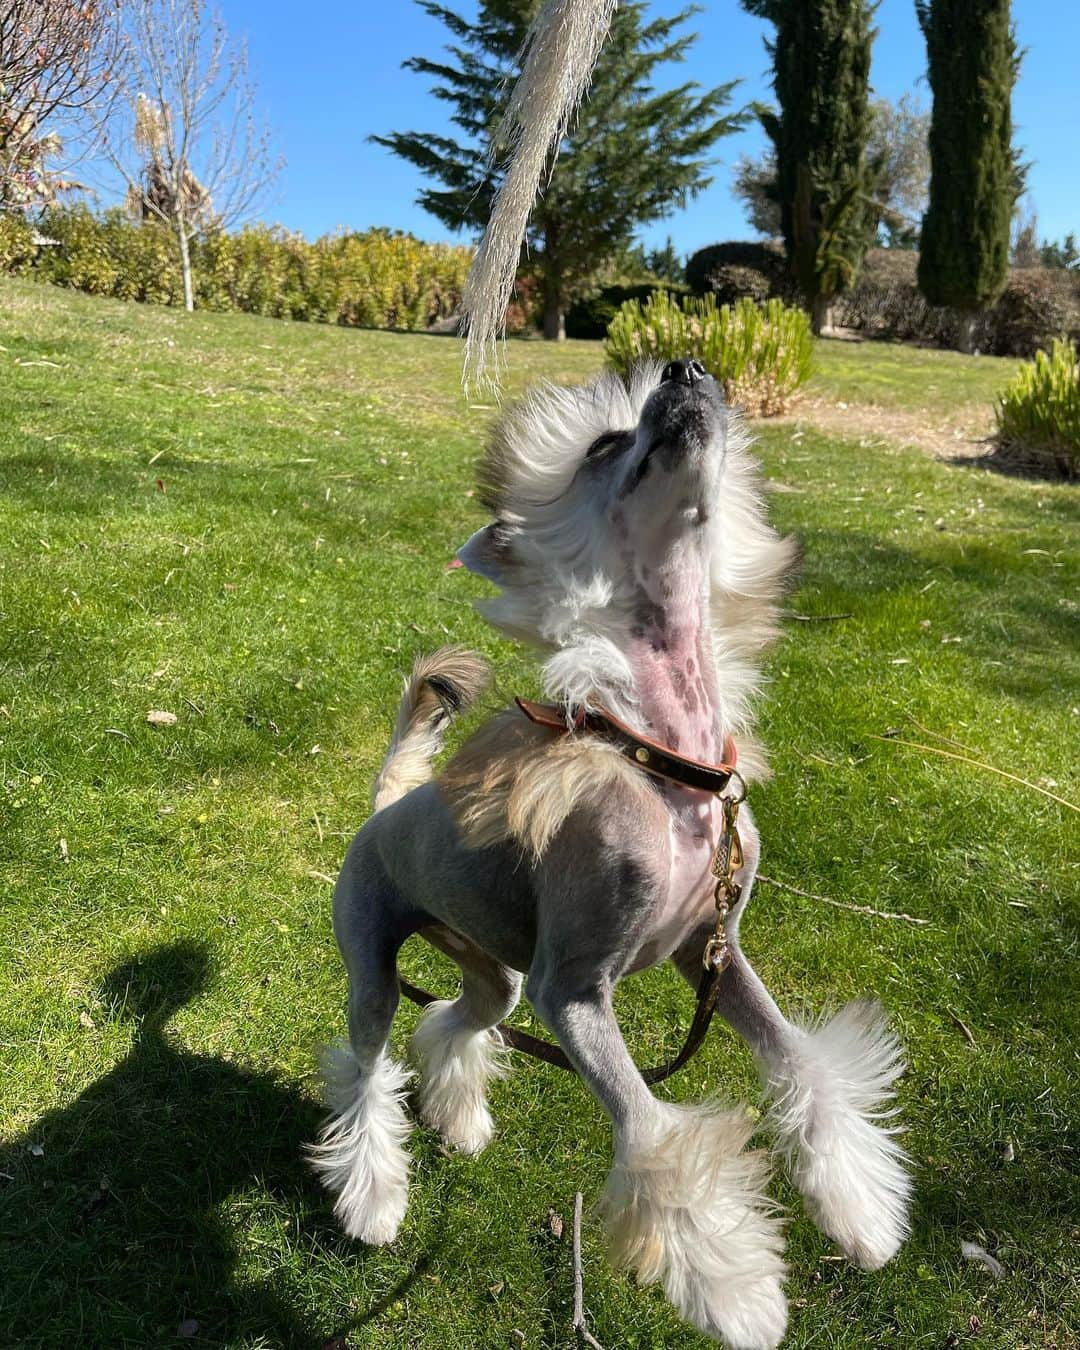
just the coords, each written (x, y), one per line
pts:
(490, 553)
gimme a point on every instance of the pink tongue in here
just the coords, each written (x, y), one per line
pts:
(454, 562)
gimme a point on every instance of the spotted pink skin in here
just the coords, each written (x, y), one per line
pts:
(676, 684)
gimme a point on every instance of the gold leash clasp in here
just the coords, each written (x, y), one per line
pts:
(727, 860)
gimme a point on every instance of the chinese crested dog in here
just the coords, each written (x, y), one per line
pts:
(629, 543)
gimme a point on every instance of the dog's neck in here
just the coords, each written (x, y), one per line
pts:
(645, 651)
(670, 654)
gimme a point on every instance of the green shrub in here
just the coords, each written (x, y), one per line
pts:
(82, 258)
(591, 318)
(732, 281)
(765, 257)
(760, 354)
(17, 247)
(1038, 413)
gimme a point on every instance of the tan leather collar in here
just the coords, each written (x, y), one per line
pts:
(647, 754)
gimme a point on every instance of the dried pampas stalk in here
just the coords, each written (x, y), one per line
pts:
(558, 56)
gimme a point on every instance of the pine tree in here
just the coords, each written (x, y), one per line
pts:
(821, 70)
(975, 178)
(633, 155)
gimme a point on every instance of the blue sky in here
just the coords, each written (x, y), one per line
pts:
(327, 84)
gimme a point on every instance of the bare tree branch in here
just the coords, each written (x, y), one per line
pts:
(581, 1329)
(184, 136)
(57, 61)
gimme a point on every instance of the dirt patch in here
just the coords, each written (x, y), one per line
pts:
(963, 436)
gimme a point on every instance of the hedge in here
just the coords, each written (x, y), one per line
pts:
(375, 279)
(1038, 305)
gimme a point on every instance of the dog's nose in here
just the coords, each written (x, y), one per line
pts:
(683, 372)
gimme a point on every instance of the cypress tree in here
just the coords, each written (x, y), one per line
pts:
(975, 178)
(632, 155)
(824, 185)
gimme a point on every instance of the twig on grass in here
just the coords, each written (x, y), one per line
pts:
(968, 1035)
(581, 1331)
(844, 904)
(817, 618)
(979, 764)
(936, 735)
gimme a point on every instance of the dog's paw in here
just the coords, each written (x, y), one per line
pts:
(361, 1155)
(456, 1065)
(689, 1209)
(833, 1090)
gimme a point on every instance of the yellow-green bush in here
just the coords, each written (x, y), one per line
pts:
(17, 247)
(1038, 412)
(374, 279)
(760, 354)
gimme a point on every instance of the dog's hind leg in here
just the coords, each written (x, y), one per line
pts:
(456, 1048)
(360, 1154)
(832, 1090)
(684, 1204)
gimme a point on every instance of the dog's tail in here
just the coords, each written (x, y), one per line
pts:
(441, 686)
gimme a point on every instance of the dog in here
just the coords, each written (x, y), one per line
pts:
(629, 542)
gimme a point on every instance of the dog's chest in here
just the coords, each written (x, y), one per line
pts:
(694, 825)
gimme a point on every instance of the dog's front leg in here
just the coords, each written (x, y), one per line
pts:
(832, 1085)
(684, 1204)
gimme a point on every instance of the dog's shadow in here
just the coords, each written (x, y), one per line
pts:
(111, 1222)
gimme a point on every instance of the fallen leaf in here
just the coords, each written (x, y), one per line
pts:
(555, 1223)
(158, 717)
(62, 844)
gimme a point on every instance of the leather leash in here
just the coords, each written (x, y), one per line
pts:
(660, 760)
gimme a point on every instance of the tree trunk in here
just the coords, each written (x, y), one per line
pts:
(554, 315)
(185, 265)
(967, 323)
(821, 315)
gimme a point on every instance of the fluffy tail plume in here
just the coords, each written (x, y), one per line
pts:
(558, 56)
(441, 686)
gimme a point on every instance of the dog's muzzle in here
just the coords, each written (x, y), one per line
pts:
(688, 372)
(684, 413)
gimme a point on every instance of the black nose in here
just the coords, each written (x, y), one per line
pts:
(683, 372)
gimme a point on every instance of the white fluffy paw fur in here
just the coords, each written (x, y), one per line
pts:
(688, 1208)
(361, 1154)
(456, 1064)
(833, 1086)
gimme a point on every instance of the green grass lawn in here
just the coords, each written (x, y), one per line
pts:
(883, 374)
(245, 523)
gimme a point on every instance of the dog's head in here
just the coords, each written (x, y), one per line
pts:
(608, 497)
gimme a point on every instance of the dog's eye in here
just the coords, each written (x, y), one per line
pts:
(604, 443)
